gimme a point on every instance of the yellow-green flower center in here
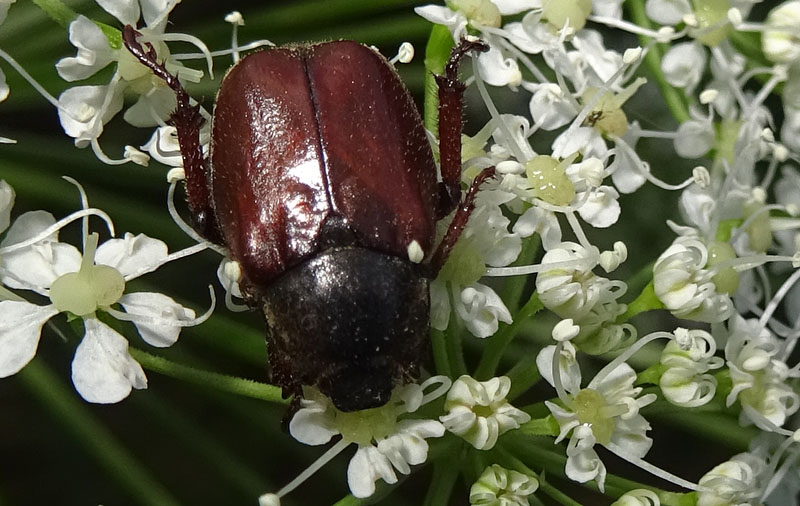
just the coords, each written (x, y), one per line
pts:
(727, 279)
(93, 286)
(368, 425)
(479, 12)
(591, 408)
(548, 178)
(560, 12)
(712, 20)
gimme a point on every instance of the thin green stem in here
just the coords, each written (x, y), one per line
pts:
(455, 349)
(645, 301)
(437, 51)
(440, 358)
(444, 479)
(198, 442)
(57, 11)
(112, 457)
(674, 98)
(499, 342)
(523, 376)
(515, 285)
(348, 500)
(239, 386)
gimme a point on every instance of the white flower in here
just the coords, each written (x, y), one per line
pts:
(6, 203)
(687, 359)
(479, 412)
(685, 287)
(667, 12)
(605, 412)
(695, 137)
(103, 371)
(481, 310)
(732, 483)
(684, 64)
(758, 378)
(85, 109)
(638, 497)
(779, 40)
(385, 444)
(569, 288)
(498, 486)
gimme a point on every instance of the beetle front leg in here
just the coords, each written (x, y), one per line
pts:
(187, 120)
(459, 221)
(451, 93)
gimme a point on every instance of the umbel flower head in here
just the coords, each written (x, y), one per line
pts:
(385, 442)
(81, 285)
(479, 412)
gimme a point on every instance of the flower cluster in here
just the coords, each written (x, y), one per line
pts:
(540, 273)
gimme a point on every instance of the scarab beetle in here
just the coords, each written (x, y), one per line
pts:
(323, 186)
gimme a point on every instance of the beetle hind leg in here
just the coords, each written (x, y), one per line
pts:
(187, 121)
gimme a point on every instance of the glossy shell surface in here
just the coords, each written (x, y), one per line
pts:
(315, 147)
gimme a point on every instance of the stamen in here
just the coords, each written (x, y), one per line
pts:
(236, 20)
(221, 52)
(191, 250)
(518, 151)
(556, 372)
(625, 355)
(773, 304)
(187, 229)
(153, 320)
(38, 87)
(650, 468)
(310, 470)
(191, 39)
(55, 227)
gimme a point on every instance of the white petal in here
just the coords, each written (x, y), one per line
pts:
(313, 424)
(94, 51)
(4, 5)
(550, 108)
(161, 307)
(498, 70)
(20, 328)
(37, 266)
(667, 12)
(131, 254)
(164, 147)
(441, 15)
(127, 11)
(79, 110)
(6, 203)
(601, 209)
(4, 90)
(150, 107)
(156, 11)
(103, 371)
(367, 466)
(694, 138)
(508, 7)
(683, 65)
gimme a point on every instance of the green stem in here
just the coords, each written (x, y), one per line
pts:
(198, 442)
(455, 350)
(239, 386)
(498, 343)
(440, 358)
(523, 376)
(348, 500)
(129, 473)
(674, 98)
(57, 11)
(444, 479)
(547, 426)
(515, 285)
(437, 51)
(645, 301)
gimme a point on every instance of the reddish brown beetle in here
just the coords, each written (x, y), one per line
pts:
(322, 185)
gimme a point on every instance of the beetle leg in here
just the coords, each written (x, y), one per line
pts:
(451, 92)
(187, 121)
(459, 221)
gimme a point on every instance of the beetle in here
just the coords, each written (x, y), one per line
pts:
(323, 187)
